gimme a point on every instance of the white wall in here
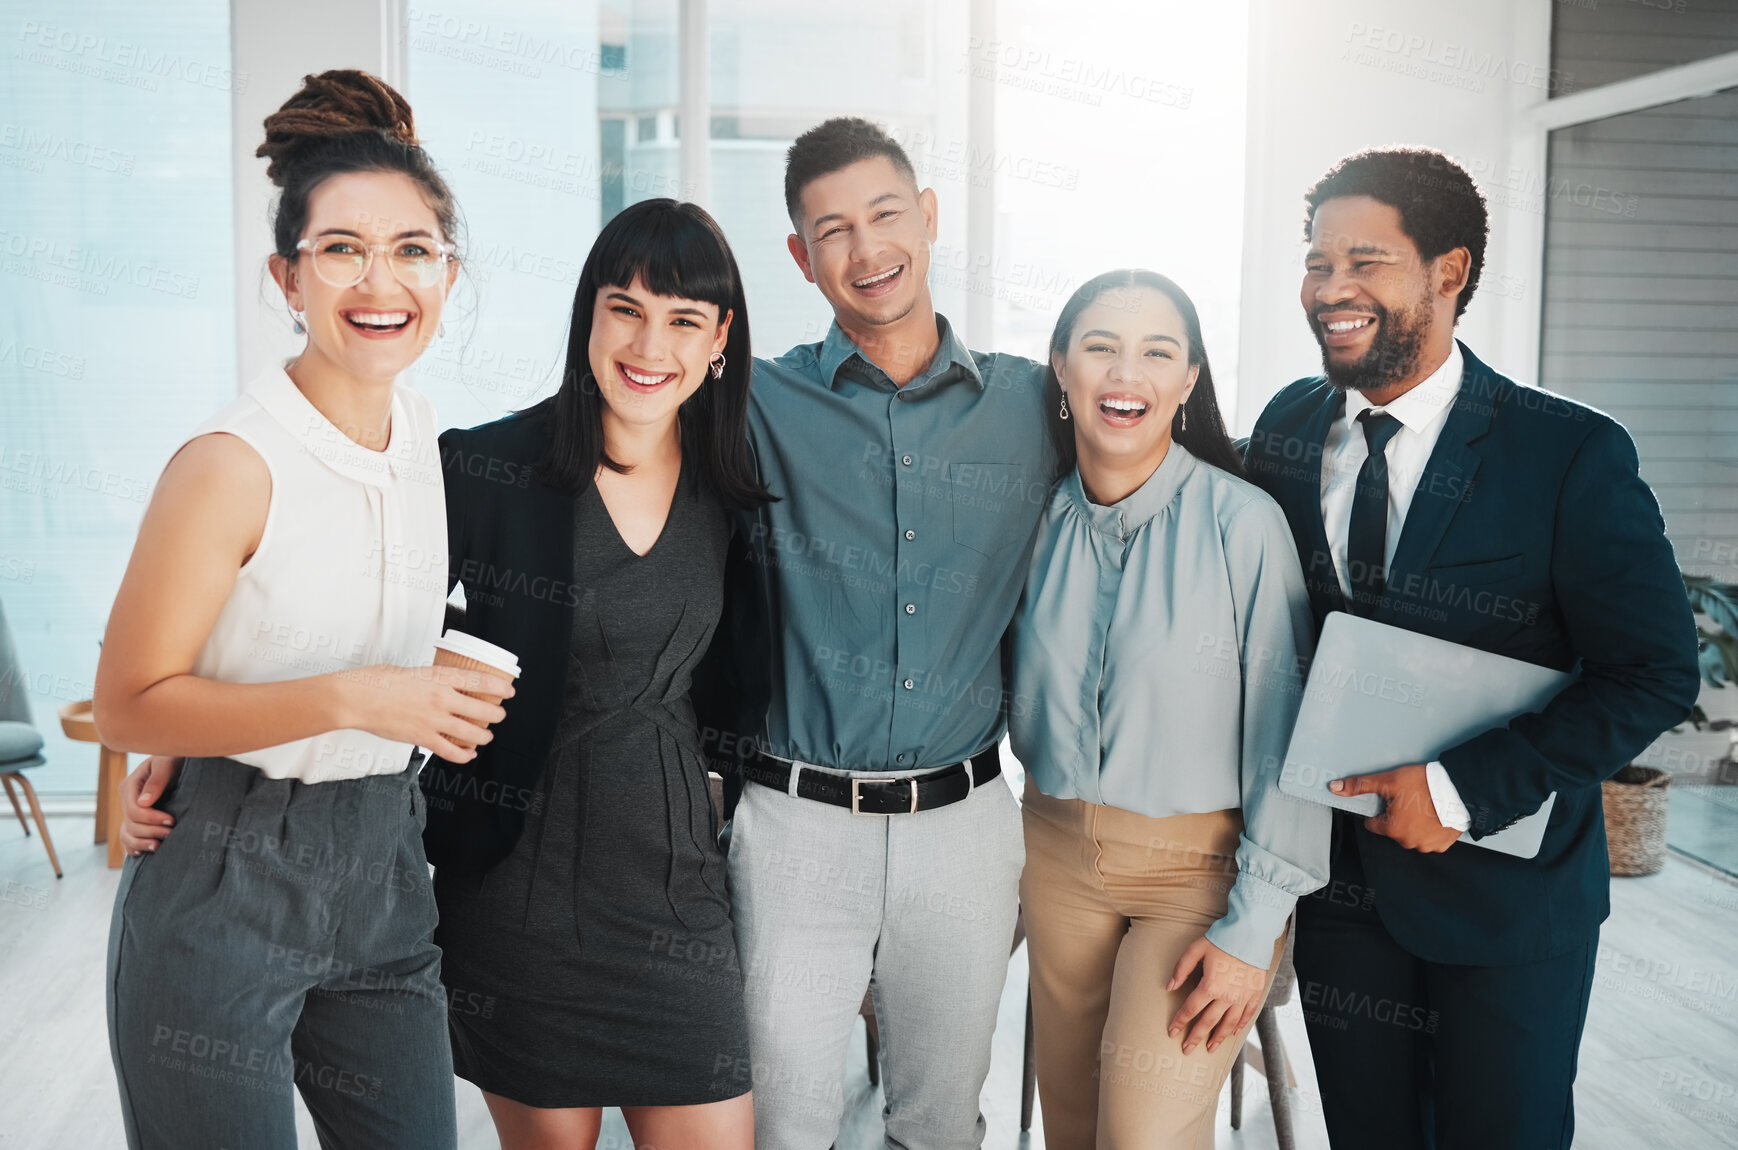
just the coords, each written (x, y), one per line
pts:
(1335, 76)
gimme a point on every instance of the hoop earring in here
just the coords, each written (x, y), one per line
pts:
(1064, 410)
(718, 365)
(298, 327)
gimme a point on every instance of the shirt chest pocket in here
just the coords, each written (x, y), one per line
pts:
(984, 499)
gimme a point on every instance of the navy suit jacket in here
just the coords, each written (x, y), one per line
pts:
(1532, 535)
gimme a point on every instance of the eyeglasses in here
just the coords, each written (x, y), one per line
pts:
(343, 261)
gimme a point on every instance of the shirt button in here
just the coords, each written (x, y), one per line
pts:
(909, 684)
(910, 534)
(911, 608)
(899, 758)
(906, 459)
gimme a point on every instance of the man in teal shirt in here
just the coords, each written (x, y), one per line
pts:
(875, 835)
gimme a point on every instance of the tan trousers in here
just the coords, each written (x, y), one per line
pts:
(1111, 900)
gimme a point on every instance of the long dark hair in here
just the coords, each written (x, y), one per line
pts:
(345, 121)
(1205, 437)
(679, 250)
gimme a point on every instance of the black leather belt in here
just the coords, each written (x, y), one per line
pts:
(898, 795)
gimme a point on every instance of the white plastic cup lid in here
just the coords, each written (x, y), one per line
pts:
(481, 650)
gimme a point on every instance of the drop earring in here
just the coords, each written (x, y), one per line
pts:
(298, 327)
(718, 365)
(1185, 412)
(441, 329)
(1063, 412)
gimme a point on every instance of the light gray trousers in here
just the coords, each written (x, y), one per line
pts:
(281, 938)
(925, 904)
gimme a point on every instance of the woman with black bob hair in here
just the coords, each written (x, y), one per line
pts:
(585, 925)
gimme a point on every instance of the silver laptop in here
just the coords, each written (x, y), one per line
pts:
(1381, 697)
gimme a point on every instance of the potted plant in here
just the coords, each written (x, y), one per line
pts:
(1635, 798)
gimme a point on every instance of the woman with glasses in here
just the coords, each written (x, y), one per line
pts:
(585, 928)
(275, 628)
(1156, 679)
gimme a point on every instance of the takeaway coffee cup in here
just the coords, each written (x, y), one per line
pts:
(469, 653)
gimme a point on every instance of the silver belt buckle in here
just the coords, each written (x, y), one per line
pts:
(857, 795)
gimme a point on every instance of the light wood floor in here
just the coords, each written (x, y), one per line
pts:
(1659, 1066)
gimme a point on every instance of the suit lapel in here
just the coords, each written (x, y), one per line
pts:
(1320, 576)
(1447, 478)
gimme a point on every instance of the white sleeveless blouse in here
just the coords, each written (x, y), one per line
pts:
(350, 571)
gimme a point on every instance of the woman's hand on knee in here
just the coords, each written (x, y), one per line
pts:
(1227, 999)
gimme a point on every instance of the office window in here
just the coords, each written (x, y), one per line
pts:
(1641, 302)
(558, 153)
(1594, 43)
(613, 153)
(513, 120)
(117, 314)
(1640, 311)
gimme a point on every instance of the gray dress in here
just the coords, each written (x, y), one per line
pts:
(596, 964)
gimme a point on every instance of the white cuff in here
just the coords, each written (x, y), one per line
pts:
(1450, 811)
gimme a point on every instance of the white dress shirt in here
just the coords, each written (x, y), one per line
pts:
(1421, 411)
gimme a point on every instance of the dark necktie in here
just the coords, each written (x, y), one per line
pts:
(1367, 539)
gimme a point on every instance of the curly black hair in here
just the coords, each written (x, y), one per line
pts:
(1440, 206)
(831, 146)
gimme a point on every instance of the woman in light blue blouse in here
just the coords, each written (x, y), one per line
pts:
(1157, 674)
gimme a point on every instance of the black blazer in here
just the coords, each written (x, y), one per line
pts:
(510, 542)
(1531, 535)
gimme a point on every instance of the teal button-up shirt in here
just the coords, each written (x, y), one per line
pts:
(1161, 643)
(895, 556)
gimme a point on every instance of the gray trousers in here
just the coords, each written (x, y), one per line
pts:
(281, 937)
(924, 903)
